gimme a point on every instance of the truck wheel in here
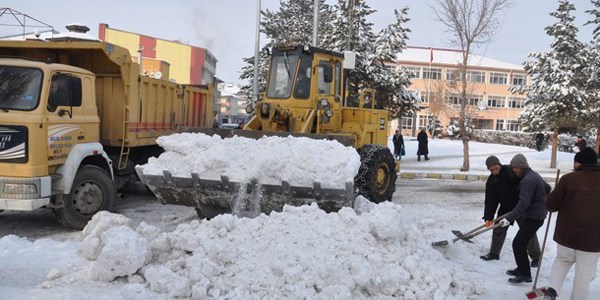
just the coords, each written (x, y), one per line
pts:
(92, 191)
(376, 178)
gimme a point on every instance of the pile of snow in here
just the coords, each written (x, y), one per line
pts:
(300, 161)
(300, 253)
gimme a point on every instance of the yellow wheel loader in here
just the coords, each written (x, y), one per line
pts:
(305, 96)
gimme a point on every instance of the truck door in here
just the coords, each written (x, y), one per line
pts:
(66, 120)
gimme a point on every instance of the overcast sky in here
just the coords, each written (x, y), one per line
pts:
(227, 27)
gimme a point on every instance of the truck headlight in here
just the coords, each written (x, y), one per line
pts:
(20, 188)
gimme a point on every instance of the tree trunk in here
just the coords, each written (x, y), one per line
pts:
(465, 166)
(554, 148)
(597, 148)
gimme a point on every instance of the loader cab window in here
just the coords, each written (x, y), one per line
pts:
(65, 90)
(325, 78)
(19, 88)
(281, 75)
(302, 87)
(337, 85)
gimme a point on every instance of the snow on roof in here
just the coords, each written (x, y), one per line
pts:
(73, 36)
(450, 57)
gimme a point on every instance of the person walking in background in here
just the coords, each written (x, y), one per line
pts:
(423, 148)
(531, 206)
(580, 144)
(577, 237)
(501, 189)
(539, 141)
(398, 144)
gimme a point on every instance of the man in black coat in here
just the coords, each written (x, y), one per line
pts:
(501, 189)
(423, 147)
(398, 144)
(531, 206)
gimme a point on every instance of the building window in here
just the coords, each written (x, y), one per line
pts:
(452, 75)
(518, 79)
(513, 125)
(390, 68)
(514, 102)
(432, 73)
(475, 76)
(482, 123)
(499, 124)
(453, 99)
(473, 100)
(406, 123)
(425, 120)
(496, 101)
(498, 78)
(413, 72)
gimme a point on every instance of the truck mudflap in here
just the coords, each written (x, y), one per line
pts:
(211, 197)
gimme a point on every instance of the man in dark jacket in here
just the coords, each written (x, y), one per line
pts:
(531, 206)
(423, 147)
(501, 189)
(576, 234)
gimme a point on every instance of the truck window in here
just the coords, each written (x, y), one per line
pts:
(19, 88)
(324, 87)
(283, 69)
(302, 88)
(65, 90)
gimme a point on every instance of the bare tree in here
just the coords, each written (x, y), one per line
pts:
(471, 23)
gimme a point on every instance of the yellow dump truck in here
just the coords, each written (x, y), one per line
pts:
(76, 117)
(305, 96)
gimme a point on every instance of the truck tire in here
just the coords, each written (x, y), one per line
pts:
(376, 178)
(92, 191)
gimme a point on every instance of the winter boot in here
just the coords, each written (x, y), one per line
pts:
(550, 294)
(490, 256)
(519, 279)
(535, 263)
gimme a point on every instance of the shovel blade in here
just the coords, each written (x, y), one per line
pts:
(536, 293)
(439, 244)
(457, 233)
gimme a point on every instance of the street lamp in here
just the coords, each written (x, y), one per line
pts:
(256, 50)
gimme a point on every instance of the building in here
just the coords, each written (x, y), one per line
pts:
(232, 104)
(436, 81)
(187, 64)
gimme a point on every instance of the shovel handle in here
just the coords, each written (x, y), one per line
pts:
(474, 234)
(483, 225)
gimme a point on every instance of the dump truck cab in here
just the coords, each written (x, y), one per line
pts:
(49, 125)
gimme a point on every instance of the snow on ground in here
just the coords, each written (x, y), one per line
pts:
(375, 251)
(300, 161)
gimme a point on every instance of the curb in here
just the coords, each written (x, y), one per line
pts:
(467, 177)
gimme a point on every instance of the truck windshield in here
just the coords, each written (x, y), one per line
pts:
(283, 70)
(19, 88)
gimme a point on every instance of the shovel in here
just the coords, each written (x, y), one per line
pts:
(467, 236)
(539, 292)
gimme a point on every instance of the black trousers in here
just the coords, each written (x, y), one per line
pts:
(527, 229)
(499, 235)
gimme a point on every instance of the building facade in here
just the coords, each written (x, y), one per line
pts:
(186, 64)
(232, 105)
(435, 79)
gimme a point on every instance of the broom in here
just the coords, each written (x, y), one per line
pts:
(538, 292)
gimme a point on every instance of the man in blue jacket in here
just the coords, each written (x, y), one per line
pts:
(531, 205)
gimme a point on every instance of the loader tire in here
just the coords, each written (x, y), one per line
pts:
(376, 178)
(93, 190)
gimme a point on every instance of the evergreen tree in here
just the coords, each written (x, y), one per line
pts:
(555, 97)
(592, 72)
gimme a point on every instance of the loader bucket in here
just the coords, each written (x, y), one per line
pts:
(212, 197)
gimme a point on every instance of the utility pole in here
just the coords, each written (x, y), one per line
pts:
(256, 53)
(316, 24)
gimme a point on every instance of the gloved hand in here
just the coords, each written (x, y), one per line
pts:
(488, 223)
(504, 223)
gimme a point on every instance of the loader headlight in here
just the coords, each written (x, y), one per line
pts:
(329, 113)
(323, 103)
(249, 109)
(20, 188)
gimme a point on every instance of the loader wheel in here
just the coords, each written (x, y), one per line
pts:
(92, 191)
(376, 178)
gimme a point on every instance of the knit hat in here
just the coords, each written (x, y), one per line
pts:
(492, 160)
(587, 156)
(519, 161)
